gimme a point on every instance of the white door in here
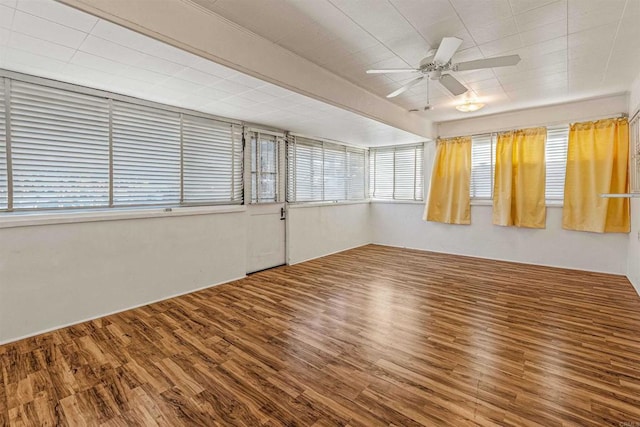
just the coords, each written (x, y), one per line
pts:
(265, 200)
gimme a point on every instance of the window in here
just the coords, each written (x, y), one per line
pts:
(4, 186)
(322, 171)
(69, 148)
(483, 154)
(482, 166)
(146, 156)
(556, 162)
(634, 154)
(212, 161)
(264, 167)
(396, 173)
(59, 148)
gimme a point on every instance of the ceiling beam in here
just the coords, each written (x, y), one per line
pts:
(188, 26)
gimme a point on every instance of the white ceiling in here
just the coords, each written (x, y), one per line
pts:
(570, 49)
(48, 39)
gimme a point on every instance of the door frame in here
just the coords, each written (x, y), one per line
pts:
(281, 138)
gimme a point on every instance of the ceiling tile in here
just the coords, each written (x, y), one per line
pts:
(379, 19)
(6, 16)
(452, 27)
(484, 32)
(25, 62)
(479, 12)
(40, 47)
(547, 14)
(57, 12)
(142, 75)
(162, 66)
(197, 76)
(500, 46)
(47, 30)
(98, 63)
(544, 32)
(106, 49)
(519, 6)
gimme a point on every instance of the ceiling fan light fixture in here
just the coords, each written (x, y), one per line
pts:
(469, 106)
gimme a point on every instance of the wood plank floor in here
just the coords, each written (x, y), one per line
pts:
(371, 336)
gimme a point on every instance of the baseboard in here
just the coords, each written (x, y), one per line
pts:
(330, 253)
(636, 285)
(55, 328)
(500, 259)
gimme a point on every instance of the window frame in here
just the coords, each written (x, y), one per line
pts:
(292, 161)
(253, 175)
(393, 149)
(483, 201)
(236, 127)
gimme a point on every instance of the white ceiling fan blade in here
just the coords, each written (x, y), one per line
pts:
(500, 61)
(406, 87)
(447, 48)
(393, 70)
(452, 85)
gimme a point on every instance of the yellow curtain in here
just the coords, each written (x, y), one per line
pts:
(518, 189)
(597, 162)
(449, 200)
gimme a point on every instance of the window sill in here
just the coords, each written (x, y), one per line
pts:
(398, 202)
(490, 203)
(301, 205)
(11, 220)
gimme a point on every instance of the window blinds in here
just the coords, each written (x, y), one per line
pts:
(396, 173)
(212, 167)
(146, 155)
(556, 162)
(264, 167)
(71, 148)
(322, 171)
(355, 174)
(482, 166)
(4, 187)
(59, 148)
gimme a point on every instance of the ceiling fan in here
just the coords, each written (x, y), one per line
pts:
(438, 65)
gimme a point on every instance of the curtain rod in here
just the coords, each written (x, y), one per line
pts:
(551, 124)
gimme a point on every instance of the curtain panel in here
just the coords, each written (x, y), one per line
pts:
(597, 162)
(519, 184)
(449, 198)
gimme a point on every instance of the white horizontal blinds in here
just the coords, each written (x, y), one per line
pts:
(146, 155)
(308, 171)
(482, 166)
(209, 152)
(355, 174)
(397, 172)
(556, 162)
(408, 173)
(4, 187)
(383, 173)
(264, 168)
(335, 170)
(59, 147)
(291, 168)
(419, 175)
(634, 136)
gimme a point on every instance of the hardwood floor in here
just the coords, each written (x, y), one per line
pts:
(371, 336)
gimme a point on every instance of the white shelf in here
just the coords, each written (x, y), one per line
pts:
(619, 195)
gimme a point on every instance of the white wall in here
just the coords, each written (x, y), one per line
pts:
(554, 114)
(633, 249)
(315, 231)
(402, 225)
(54, 275)
(60, 274)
